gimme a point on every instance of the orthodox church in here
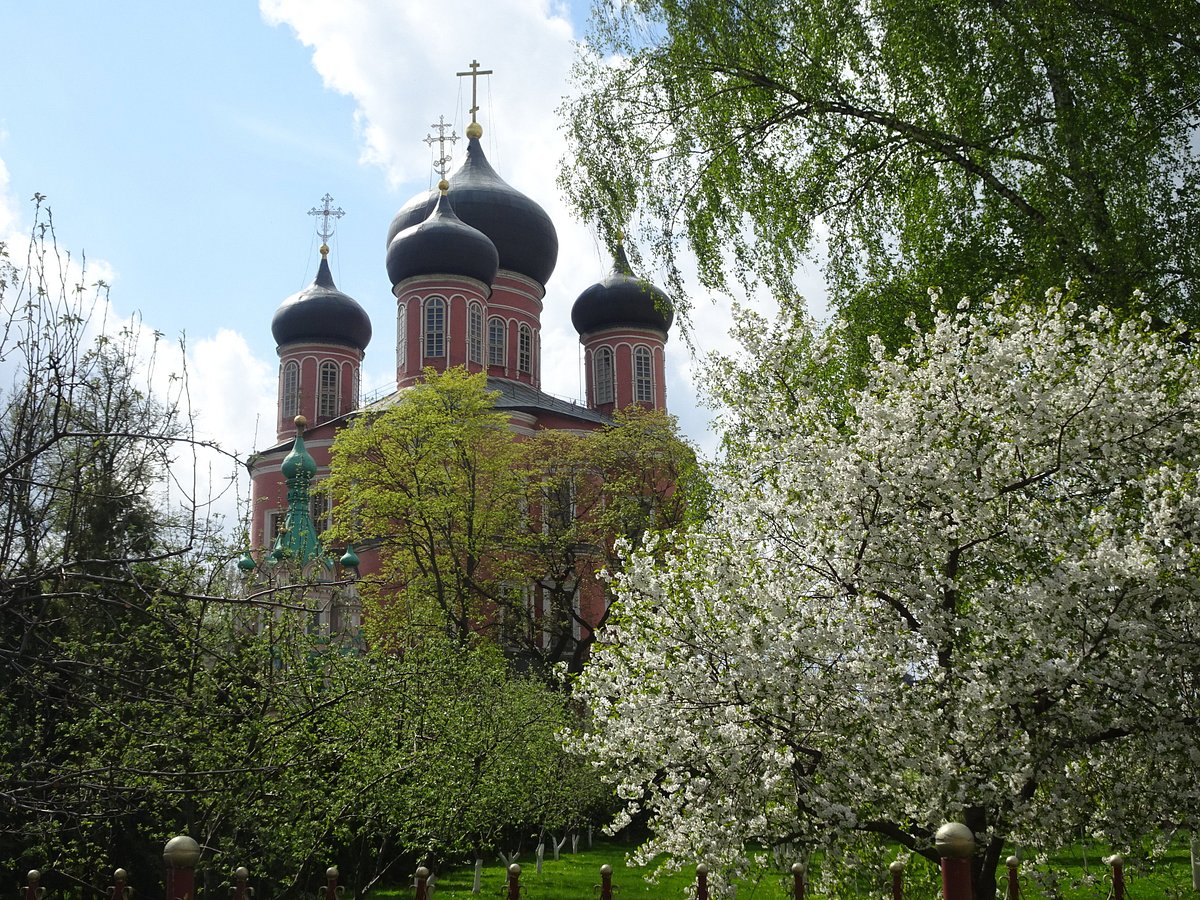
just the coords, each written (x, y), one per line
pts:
(468, 265)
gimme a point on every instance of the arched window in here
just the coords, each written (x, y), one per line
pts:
(603, 380)
(356, 388)
(435, 327)
(475, 333)
(290, 406)
(328, 393)
(496, 340)
(524, 349)
(402, 338)
(643, 376)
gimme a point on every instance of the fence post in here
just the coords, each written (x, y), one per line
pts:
(33, 889)
(606, 882)
(897, 870)
(798, 881)
(702, 882)
(422, 883)
(332, 891)
(514, 882)
(181, 855)
(241, 889)
(1014, 885)
(120, 887)
(955, 845)
(1118, 875)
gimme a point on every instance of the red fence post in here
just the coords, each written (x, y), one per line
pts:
(241, 889)
(955, 845)
(331, 883)
(181, 855)
(1118, 875)
(1014, 885)
(606, 882)
(798, 881)
(33, 889)
(897, 870)
(702, 882)
(422, 883)
(120, 885)
(514, 882)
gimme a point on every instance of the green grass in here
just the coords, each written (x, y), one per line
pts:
(577, 877)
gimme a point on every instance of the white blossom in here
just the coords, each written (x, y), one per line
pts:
(975, 594)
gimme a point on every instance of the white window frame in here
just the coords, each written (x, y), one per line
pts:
(497, 349)
(525, 349)
(433, 333)
(475, 325)
(289, 405)
(643, 382)
(329, 393)
(604, 374)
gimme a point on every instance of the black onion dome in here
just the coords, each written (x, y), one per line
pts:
(321, 314)
(622, 299)
(442, 245)
(522, 232)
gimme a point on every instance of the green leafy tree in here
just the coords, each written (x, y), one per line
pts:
(475, 523)
(133, 707)
(602, 491)
(436, 481)
(961, 145)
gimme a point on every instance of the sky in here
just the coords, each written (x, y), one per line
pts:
(181, 145)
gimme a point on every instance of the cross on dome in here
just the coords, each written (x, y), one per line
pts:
(442, 163)
(474, 76)
(326, 212)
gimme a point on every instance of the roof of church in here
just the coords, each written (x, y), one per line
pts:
(442, 244)
(511, 395)
(521, 230)
(322, 314)
(622, 299)
(524, 398)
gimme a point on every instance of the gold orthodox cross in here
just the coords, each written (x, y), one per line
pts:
(474, 76)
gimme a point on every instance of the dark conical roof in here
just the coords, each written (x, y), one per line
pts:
(522, 232)
(622, 299)
(442, 244)
(322, 314)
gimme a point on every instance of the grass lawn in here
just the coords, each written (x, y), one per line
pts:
(577, 877)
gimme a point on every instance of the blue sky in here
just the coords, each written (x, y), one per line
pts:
(180, 146)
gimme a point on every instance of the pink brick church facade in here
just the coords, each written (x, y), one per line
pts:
(468, 266)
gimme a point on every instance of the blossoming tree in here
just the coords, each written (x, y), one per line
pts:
(969, 591)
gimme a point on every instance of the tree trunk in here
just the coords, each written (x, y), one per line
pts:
(983, 870)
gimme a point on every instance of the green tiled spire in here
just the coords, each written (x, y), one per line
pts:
(297, 539)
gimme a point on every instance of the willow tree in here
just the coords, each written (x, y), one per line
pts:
(960, 145)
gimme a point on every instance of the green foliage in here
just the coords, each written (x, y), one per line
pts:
(960, 145)
(599, 492)
(435, 480)
(389, 758)
(472, 520)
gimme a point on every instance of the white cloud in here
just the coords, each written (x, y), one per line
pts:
(394, 59)
(398, 62)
